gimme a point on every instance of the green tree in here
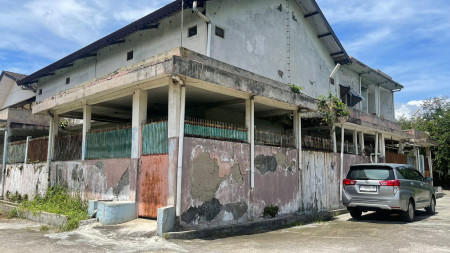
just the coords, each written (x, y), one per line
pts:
(434, 118)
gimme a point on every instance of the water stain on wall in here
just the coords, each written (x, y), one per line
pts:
(209, 210)
(265, 164)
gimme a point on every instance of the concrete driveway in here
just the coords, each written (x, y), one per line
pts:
(374, 233)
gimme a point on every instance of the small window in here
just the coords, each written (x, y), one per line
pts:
(130, 55)
(192, 31)
(220, 32)
(40, 91)
(67, 80)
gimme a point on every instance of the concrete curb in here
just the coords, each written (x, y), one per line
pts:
(57, 220)
(6, 207)
(253, 227)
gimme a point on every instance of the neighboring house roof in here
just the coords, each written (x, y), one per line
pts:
(374, 75)
(310, 9)
(15, 76)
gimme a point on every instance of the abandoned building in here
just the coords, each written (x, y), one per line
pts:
(195, 110)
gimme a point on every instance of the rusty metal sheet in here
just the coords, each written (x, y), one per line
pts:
(392, 157)
(153, 184)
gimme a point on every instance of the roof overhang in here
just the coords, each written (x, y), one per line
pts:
(374, 75)
(325, 33)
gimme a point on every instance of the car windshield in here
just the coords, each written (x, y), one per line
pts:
(371, 173)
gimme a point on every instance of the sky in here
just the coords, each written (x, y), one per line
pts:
(407, 39)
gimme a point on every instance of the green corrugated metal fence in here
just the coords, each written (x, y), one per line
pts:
(215, 132)
(155, 138)
(109, 144)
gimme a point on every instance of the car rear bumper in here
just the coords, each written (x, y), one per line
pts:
(370, 207)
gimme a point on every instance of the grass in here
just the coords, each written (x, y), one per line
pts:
(44, 228)
(58, 200)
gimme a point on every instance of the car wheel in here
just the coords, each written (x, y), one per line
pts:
(356, 214)
(432, 208)
(408, 216)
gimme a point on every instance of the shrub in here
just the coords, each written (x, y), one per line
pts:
(271, 210)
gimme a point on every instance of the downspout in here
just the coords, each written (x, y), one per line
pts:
(208, 28)
(5, 157)
(180, 147)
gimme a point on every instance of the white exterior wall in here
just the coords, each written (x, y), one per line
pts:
(145, 44)
(11, 93)
(387, 104)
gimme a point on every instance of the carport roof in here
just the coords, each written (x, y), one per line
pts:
(310, 9)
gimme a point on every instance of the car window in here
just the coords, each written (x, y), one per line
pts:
(371, 173)
(417, 175)
(401, 172)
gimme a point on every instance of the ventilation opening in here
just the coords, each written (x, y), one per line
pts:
(67, 80)
(130, 55)
(40, 91)
(192, 31)
(220, 32)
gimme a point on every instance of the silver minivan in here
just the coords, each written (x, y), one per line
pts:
(387, 187)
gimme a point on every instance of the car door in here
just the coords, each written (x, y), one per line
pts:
(413, 184)
(424, 189)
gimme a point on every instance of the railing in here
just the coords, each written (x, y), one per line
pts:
(109, 144)
(68, 147)
(316, 143)
(214, 130)
(285, 140)
(155, 138)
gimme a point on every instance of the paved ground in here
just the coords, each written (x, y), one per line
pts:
(374, 233)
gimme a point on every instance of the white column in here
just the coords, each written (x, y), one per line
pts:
(87, 115)
(377, 100)
(333, 133)
(252, 142)
(355, 142)
(401, 147)
(430, 163)
(361, 142)
(52, 132)
(139, 117)
(382, 145)
(376, 146)
(5, 157)
(248, 121)
(341, 162)
(180, 148)
(25, 160)
(298, 136)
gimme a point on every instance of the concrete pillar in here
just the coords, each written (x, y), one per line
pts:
(139, 116)
(377, 100)
(341, 162)
(52, 132)
(333, 135)
(252, 142)
(361, 142)
(416, 154)
(180, 149)
(248, 116)
(173, 135)
(401, 147)
(430, 163)
(5, 157)
(382, 145)
(298, 136)
(25, 160)
(376, 146)
(355, 142)
(87, 115)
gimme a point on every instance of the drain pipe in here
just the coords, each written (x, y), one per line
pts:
(209, 27)
(180, 147)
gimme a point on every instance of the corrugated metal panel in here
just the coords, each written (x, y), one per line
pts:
(155, 138)
(16, 152)
(214, 130)
(109, 144)
(68, 147)
(37, 150)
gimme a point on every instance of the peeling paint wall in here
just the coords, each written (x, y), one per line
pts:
(112, 179)
(215, 182)
(30, 179)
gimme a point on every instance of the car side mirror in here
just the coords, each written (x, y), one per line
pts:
(428, 179)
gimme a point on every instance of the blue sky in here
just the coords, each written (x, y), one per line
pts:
(407, 39)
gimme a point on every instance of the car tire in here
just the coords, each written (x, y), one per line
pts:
(432, 208)
(409, 214)
(356, 214)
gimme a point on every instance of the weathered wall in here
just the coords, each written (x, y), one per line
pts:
(112, 179)
(30, 179)
(387, 104)
(215, 182)
(153, 184)
(11, 93)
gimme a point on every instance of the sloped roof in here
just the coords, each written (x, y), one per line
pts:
(15, 76)
(310, 9)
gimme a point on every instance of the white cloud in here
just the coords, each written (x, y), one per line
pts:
(408, 109)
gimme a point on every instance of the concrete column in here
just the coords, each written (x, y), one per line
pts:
(180, 149)
(52, 132)
(87, 115)
(25, 160)
(252, 142)
(382, 145)
(430, 163)
(361, 142)
(376, 147)
(416, 153)
(248, 116)
(401, 147)
(355, 142)
(173, 136)
(298, 136)
(5, 157)
(139, 117)
(333, 135)
(377, 100)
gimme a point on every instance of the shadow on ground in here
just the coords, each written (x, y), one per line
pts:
(390, 218)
